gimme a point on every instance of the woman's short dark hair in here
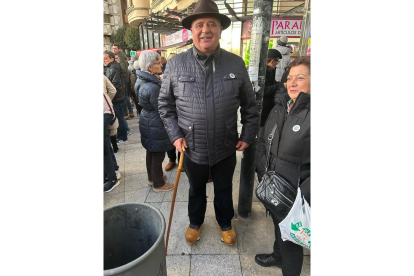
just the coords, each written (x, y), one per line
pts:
(299, 61)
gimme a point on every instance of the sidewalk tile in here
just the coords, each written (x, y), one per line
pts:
(135, 182)
(178, 265)
(254, 236)
(137, 195)
(113, 199)
(182, 191)
(135, 168)
(134, 156)
(215, 265)
(251, 268)
(155, 197)
(177, 243)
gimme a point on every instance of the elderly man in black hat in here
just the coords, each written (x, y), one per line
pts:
(201, 92)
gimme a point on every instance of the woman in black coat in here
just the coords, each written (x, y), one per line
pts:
(289, 156)
(154, 138)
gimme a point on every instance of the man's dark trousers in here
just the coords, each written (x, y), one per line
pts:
(222, 174)
(123, 125)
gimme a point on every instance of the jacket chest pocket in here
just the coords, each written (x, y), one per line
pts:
(231, 84)
(185, 86)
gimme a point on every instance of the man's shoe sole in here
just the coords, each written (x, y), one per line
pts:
(227, 243)
(193, 242)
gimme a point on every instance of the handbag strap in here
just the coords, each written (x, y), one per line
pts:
(110, 108)
(269, 144)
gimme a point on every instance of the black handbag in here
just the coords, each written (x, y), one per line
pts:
(276, 194)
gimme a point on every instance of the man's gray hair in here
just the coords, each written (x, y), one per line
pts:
(110, 54)
(147, 58)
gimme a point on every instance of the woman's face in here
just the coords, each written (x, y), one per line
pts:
(298, 81)
(156, 68)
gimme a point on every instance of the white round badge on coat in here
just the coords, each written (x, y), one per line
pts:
(232, 75)
(296, 128)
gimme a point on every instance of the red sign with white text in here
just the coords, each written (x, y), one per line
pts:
(279, 27)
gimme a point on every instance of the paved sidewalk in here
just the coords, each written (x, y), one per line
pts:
(209, 256)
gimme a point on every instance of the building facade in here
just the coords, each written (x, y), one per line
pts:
(113, 19)
(159, 23)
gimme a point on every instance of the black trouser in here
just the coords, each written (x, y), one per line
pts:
(110, 165)
(113, 142)
(172, 156)
(154, 168)
(222, 174)
(290, 253)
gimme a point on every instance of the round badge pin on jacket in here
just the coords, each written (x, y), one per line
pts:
(296, 128)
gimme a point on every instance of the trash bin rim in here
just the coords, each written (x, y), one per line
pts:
(152, 248)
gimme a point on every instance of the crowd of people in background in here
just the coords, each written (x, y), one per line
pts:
(183, 104)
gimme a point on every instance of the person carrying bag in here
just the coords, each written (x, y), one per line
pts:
(283, 164)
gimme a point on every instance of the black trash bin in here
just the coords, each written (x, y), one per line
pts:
(134, 240)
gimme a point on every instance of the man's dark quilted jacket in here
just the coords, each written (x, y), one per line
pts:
(205, 93)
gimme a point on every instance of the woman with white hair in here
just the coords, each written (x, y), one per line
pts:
(154, 137)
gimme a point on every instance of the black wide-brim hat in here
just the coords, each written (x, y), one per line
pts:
(206, 8)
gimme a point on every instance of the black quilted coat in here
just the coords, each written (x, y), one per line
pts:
(198, 100)
(290, 151)
(154, 138)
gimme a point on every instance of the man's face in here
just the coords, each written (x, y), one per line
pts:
(206, 33)
(107, 60)
(273, 63)
(117, 58)
(115, 49)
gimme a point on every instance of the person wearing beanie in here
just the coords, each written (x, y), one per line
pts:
(271, 86)
(285, 51)
(201, 92)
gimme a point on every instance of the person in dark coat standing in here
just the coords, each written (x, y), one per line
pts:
(114, 74)
(289, 156)
(271, 86)
(201, 92)
(123, 62)
(154, 138)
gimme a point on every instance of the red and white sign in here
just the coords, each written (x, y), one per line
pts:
(177, 37)
(278, 27)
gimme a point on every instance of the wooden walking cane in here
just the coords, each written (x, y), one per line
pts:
(177, 178)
